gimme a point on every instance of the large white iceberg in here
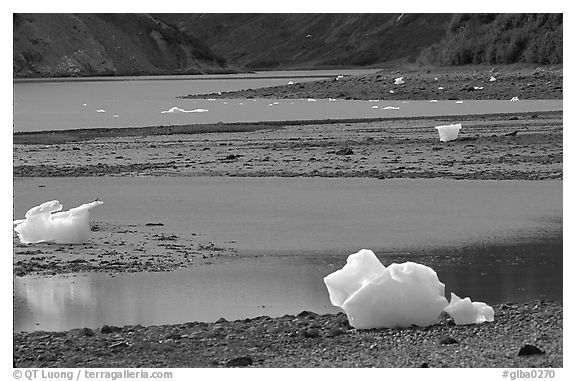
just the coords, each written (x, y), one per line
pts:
(397, 296)
(42, 224)
(449, 132)
(464, 311)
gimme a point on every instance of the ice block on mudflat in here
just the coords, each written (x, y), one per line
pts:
(449, 132)
(45, 223)
(375, 296)
(464, 311)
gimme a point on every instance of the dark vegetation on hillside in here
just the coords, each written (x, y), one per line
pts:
(498, 39)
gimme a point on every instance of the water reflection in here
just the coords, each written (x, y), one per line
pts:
(273, 286)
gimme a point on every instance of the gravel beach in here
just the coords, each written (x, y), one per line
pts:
(521, 336)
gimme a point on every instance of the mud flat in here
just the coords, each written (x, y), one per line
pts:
(492, 147)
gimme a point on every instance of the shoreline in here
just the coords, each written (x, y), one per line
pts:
(307, 340)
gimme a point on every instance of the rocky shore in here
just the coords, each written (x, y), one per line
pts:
(521, 336)
(465, 83)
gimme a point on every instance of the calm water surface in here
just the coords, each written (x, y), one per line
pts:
(131, 102)
(495, 241)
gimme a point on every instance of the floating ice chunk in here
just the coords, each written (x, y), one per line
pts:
(178, 109)
(331, 100)
(396, 296)
(115, 116)
(399, 81)
(433, 100)
(173, 109)
(84, 104)
(339, 77)
(43, 225)
(478, 87)
(100, 110)
(459, 102)
(308, 35)
(374, 106)
(211, 99)
(464, 311)
(492, 79)
(440, 88)
(435, 78)
(311, 100)
(391, 108)
(290, 82)
(391, 91)
(449, 132)
(514, 99)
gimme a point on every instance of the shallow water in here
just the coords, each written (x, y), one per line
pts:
(48, 104)
(270, 285)
(494, 241)
(73, 104)
(316, 214)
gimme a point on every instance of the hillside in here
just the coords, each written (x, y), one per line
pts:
(148, 44)
(47, 45)
(279, 41)
(499, 39)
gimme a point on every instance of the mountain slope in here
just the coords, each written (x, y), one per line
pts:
(312, 40)
(105, 44)
(490, 38)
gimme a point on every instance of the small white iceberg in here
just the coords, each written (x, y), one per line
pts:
(42, 224)
(100, 110)
(331, 100)
(440, 88)
(115, 116)
(433, 101)
(514, 99)
(478, 87)
(178, 109)
(464, 311)
(449, 132)
(399, 81)
(311, 100)
(391, 91)
(459, 102)
(290, 82)
(492, 79)
(374, 106)
(390, 108)
(375, 296)
(339, 77)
